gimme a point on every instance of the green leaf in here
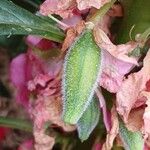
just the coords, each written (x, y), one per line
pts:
(89, 120)
(16, 20)
(131, 140)
(81, 70)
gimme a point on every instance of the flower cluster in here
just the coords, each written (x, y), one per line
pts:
(37, 75)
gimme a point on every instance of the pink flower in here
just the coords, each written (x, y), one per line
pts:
(27, 66)
(43, 97)
(129, 96)
(20, 74)
(113, 71)
(60, 7)
(115, 61)
(65, 8)
(84, 4)
(26, 145)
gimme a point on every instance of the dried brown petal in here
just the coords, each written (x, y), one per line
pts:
(72, 33)
(135, 119)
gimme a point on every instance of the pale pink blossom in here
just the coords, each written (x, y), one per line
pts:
(66, 8)
(118, 51)
(60, 7)
(113, 71)
(115, 61)
(84, 4)
(26, 66)
(130, 92)
(71, 22)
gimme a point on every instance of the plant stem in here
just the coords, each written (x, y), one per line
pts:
(16, 124)
(101, 12)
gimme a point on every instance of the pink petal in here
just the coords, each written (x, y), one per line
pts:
(26, 67)
(17, 70)
(41, 65)
(44, 85)
(35, 63)
(129, 93)
(48, 7)
(113, 72)
(106, 118)
(71, 22)
(105, 24)
(146, 147)
(33, 40)
(118, 51)
(84, 4)
(19, 75)
(115, 61)
(113, 132)
(26, 145)
(38, 42)
(64, 8)
(40, 79)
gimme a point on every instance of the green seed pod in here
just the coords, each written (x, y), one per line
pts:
(135, 21)
(81, 70)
